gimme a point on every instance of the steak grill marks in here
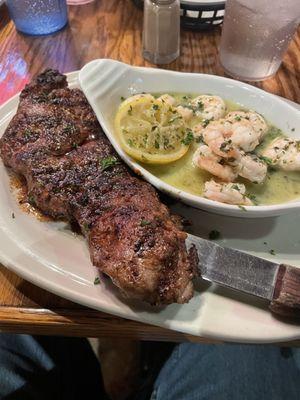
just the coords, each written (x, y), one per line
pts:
(72, 172)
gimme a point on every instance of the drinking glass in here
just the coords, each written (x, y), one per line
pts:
(38, 17)
(256, 35)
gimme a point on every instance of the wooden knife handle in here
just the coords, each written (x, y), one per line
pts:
(286, 298)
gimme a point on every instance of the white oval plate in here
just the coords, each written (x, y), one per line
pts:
(50, 256)
(105, 81)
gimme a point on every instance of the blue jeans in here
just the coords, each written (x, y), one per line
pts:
(229, 372)
(34, 368)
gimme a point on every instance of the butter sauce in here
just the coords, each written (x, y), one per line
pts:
(279, 186)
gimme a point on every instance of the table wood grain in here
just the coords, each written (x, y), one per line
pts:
(110, 29)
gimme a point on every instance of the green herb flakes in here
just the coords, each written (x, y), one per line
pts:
(253, 198)
(108, 162)
(200, 106)
(31, 200)
(97, 280)
(267, 160)
(272, 252)
(199, 139)
(205, 122)
(144, 222)
(187, 140)
(214, 235)
(235, 187)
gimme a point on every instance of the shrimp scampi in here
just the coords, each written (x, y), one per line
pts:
(214, 148)
(284, 153)
(257, 122)
(209, 107)
(205, 159)
(218, 139)
(230, 193)
(250, 167)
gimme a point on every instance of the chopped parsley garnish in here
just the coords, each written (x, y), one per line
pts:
(144, 222)
(166, 142)
(265, 243)
(187, 140)
(272, 252)
(200, 106)
(155, 106)
(253, 198)
(122, 98)
(74, 145)
(31, 199)
(293, 129)
(108, 162)
(97, 280)
(13, 215)
(214, 234)
(267, 160)
(235, 187)
(130, 110)
(237, 118)
(156, 144)
(225, 146)
(130, 142)
(199, 139)
(242, 208)
(86, 226)
(205, 123)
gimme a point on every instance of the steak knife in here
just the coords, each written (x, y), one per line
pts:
(277, 283)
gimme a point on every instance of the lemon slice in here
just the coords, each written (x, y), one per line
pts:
(151, 131)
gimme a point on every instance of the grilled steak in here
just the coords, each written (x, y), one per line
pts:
(72, 172)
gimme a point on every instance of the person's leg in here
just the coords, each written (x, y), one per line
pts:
(48, 368)
(229, 372)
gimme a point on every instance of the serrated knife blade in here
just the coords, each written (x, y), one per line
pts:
(278, 283)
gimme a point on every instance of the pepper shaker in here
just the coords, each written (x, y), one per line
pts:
(161, 33)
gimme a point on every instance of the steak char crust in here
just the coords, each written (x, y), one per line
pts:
(72, 172)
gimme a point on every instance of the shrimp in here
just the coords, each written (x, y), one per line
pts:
(185, 112)
(284, 153)
(257, 122)
(169, 100)
(209, 107)
(252, 168)
(205, 159)
(217, 136)
(243, 135)
(230, 193)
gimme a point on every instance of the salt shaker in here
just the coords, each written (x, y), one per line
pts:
(161, 34)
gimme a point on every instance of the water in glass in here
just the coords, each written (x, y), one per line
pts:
(256, 35)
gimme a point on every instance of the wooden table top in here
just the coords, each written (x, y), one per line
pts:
(110, 29)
